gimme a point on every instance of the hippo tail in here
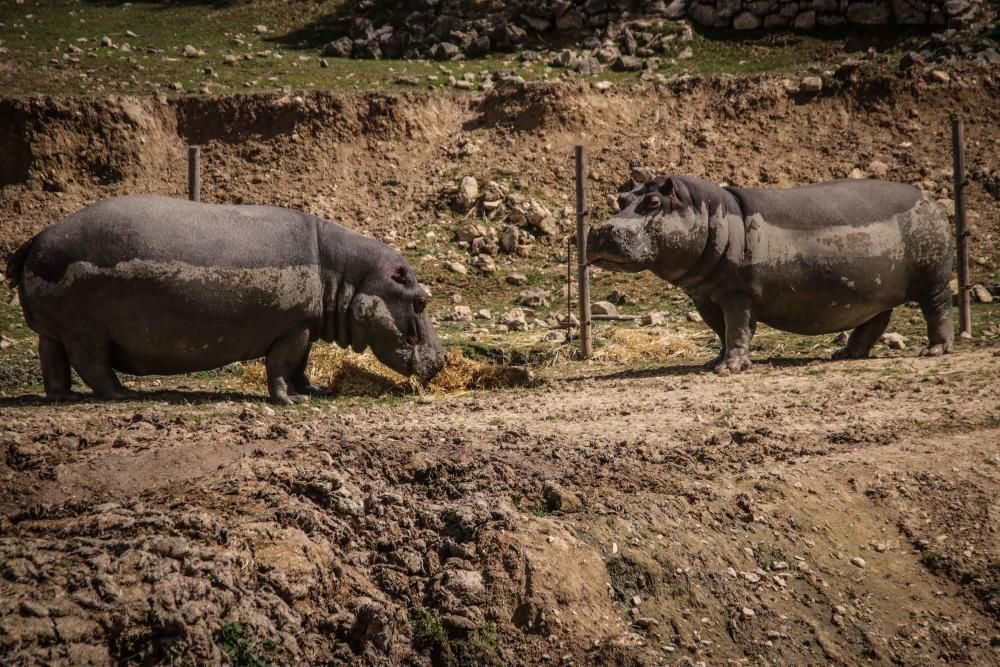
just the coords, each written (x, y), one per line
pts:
(15, 265)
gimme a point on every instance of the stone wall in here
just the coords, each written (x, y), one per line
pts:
(810, 14)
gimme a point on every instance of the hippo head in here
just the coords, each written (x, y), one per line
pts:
(660, 227)
(388, 314)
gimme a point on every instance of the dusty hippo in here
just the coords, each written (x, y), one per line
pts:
(811, 260)
(150, 285)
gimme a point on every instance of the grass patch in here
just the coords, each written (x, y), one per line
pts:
(451, 641)
(242, 650)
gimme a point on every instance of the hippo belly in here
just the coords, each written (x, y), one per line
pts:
(817, 282)
(172, 317)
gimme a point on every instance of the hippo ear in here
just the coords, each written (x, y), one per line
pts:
(399, 275)
(668, 187)
(625, 200)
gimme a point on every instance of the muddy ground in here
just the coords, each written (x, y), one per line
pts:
(807, 512)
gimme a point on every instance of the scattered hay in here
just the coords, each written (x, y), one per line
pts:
(624, 345)
(349, 374)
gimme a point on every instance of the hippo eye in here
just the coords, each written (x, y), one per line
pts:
(419, 304)
(650, 203)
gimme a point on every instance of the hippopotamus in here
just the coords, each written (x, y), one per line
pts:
(155, 285)
(816, 259)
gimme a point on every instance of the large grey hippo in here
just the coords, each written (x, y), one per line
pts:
(810, 260)
(157, 285)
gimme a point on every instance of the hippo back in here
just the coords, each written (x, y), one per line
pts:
(846, 202)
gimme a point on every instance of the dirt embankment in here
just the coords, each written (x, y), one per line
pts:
(382, 163)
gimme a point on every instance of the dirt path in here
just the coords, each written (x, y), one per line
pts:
(646, 516)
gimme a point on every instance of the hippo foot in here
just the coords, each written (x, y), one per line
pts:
(118, 395)
(293, 399)
(734, 361)
(936, 350)
(65, 397)
(847, 352)
(309, 390)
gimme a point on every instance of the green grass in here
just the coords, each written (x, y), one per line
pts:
(242, 650)
(34, 62)
(449, 644)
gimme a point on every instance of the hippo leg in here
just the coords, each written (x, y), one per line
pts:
(940, 331)
(740, 328)
(300, 381)
(862, 339)
(92, 360)
(282, 362)
(56, 371)
(714, 318)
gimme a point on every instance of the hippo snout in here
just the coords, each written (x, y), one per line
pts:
(619, 244)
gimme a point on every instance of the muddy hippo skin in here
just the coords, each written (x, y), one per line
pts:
(811, 260)
(150, 285)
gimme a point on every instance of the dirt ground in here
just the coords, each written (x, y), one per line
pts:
(807, 512)
(803, 513)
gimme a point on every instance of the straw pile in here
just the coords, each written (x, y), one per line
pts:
(622, 345)
(349, 374)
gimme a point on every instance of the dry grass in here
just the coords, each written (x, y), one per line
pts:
(348, 374)
(623, 345)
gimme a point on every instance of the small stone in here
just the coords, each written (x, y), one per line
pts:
(176, 86)
(516, 279)
(748, 612)
(881, 547)
(651, 319)
(878, 169)
(811, 84)
(838, 620)
(323, 62)
(457, 267)
(192, 52)
(463, 313)
(484, 314)
(468, 192)
(856, 173)
(230, 59)
(604, 308)
(533, 298)
(106, 41)
(858, 561)
(693, 316)
(779, 565)
(840, 609)
(894, 341)
(515, 320)
(636, 600)
(981, 294)
(939, 76)
(260, 29)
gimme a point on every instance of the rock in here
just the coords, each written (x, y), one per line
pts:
(564, 58)
(856, 173)
(878, 169)
(894, 341)
(858, 561)
(484, 263)
(324, 63)
(231, 59)
(444, 51)
(627, 64)
(603, 308)
(651, 319)
(463, 313)
(536, 23)
(339, 48)
(260, 28)
(838, 620)
(509, 238)
(864, 13)
(457, 267)
(748, 612)
(805, 21)
(693, 316)
(981, 294)
(191, 52)
(588, 65)
(176, 86)
(516, 279)
(558, 499)
(533, 298)
(811, 84)
(484, 314)
(468, 192)
(106, 41)
(515, 320)
(746, 21)
(939, 76)
(779, 565)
